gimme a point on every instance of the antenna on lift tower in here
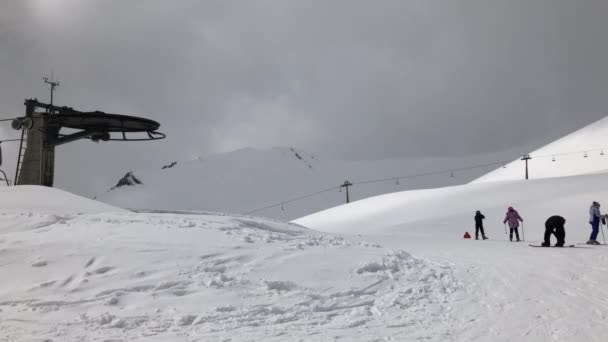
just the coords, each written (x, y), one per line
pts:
(53, 84)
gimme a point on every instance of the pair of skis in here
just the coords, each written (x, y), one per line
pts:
(569, 246)
(580, 245)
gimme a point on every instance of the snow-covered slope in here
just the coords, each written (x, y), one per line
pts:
(400, 271)
(582, 152)
(451, 209)
(118, 276)
(48, 200)
(248, 179)
(515, 293)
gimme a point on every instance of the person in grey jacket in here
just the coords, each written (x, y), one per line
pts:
(594, 219)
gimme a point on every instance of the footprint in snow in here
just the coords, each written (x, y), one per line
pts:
(39, 263)
(90, 262)
(48, 283)
(103, 270)
(67, 281)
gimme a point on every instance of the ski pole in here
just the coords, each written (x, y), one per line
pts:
(602, 229)
(505, 228)
(523, 235)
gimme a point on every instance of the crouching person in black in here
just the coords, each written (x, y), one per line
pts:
(555, 226)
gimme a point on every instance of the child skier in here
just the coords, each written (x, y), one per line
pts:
(594, 219)
(513, 218)
(479, 225)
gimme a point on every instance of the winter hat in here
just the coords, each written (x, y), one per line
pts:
(596, 204)
(511, 209)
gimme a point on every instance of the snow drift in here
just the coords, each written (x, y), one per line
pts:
(109, 275)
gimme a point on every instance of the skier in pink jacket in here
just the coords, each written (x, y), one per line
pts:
(513, 218)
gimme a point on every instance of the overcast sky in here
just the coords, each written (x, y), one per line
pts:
(344, 79)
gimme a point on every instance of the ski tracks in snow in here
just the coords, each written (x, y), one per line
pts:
(521, 294)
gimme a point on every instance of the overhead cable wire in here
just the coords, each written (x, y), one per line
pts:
(431, 173)
(292, 200)
(567, 153)
(370, 181)
(416, 175)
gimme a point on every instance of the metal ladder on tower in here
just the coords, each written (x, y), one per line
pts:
(22, 148)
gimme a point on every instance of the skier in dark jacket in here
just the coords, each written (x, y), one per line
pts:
(479, 225)
(594, 219)
(555, 225)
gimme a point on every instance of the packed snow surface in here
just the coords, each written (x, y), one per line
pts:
(513, 292)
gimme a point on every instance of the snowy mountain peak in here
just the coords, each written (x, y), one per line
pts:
(128, 180)
(247, 179)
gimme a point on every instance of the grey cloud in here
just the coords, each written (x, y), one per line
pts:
(349, 79)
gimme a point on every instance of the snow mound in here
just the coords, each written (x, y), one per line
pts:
(151, 276)
(569, 153)
(40, 199)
